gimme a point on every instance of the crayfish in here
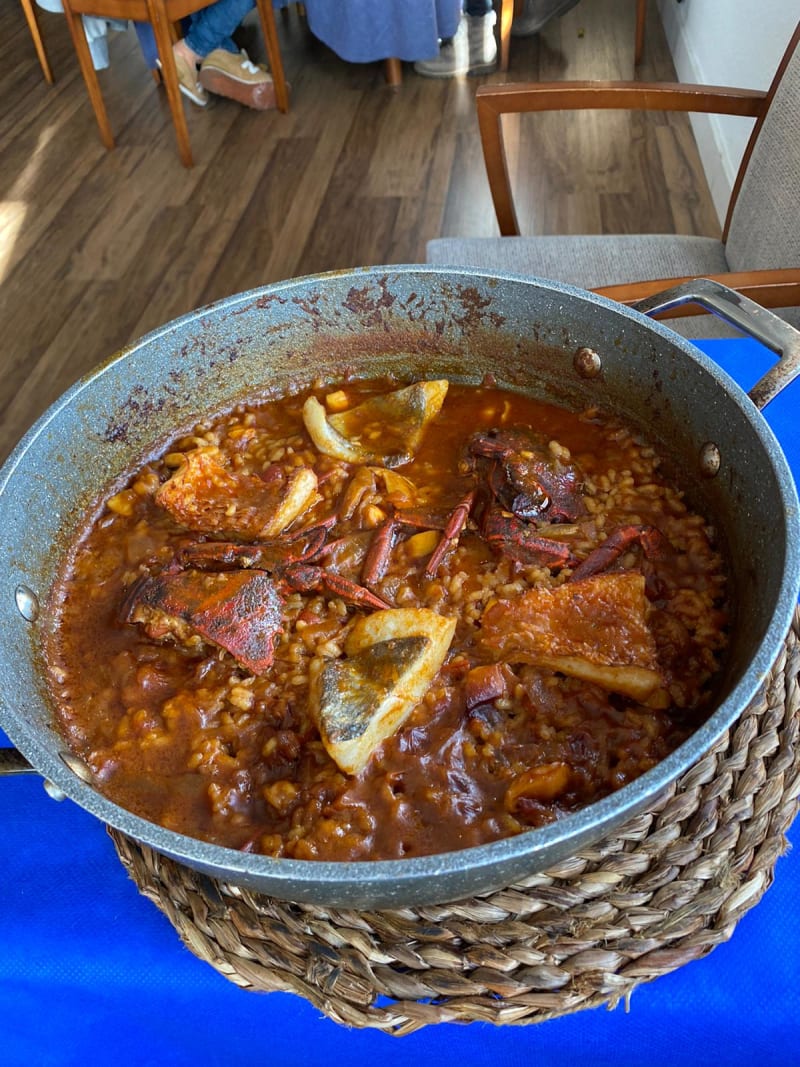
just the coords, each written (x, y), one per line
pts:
(232, 595)
(523, 478)
(516, 484)
(227, 593)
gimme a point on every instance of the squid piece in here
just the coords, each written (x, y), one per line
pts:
(595, 629)
(391, 659)
(543, 783)
(205, 496)
(398, 490)
(385, 430)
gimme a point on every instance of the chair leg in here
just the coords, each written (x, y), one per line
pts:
(38, 43)
(393, 72)
(270, 31)
(89, 74)
(163, 35)
(506, 18)
(641, 13)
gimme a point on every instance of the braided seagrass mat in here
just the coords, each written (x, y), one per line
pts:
(665, 889)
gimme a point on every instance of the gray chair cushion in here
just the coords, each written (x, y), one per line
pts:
(593, 261)
(588, 262)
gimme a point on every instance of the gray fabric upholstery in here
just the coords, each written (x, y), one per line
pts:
(700, 327)
(764, 233)
(589, 261)
(593, 261)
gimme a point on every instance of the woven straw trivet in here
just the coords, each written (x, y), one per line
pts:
(663, 890)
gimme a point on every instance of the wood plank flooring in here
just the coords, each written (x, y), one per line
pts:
(98, 247)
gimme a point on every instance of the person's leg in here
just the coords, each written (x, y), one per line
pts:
(537, 14)
(213, 27)
(225, 69)
(209, 29)
(473, 50)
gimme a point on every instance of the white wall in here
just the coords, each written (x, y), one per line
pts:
(726, 42)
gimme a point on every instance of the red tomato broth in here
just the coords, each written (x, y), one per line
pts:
(190, 739)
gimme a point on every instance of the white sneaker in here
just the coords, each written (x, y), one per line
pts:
(537, 14)
(473, 50)
(482, 43)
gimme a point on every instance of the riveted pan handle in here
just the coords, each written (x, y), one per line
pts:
(13, 762)
(746, 315)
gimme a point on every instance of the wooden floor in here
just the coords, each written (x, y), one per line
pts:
(99, 247)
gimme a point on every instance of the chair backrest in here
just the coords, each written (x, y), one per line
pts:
(761, 230)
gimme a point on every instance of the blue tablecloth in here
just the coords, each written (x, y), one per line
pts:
(361, 31)
(92, 973)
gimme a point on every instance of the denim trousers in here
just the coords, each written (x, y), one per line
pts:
(212, 27)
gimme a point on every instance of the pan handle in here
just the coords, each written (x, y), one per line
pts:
(746, 315)
(13, 762)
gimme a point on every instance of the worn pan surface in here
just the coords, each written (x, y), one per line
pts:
(556, 342)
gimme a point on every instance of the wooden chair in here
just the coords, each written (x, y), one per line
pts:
(33, 25)
(509, 8)
(759, 252)
(163, 15)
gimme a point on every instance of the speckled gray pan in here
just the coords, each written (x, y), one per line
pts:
(554, 341)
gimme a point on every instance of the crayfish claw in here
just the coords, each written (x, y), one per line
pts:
(650, 539)
(526, 475)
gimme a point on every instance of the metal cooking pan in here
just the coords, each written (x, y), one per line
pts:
(559, 343)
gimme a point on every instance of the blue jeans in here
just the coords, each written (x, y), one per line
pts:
(212, 27)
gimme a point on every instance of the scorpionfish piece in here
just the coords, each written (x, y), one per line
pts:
(595, 629)
(391, 659)
(205, 496)
(385, 430)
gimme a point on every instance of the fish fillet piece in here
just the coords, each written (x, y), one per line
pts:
(391, 659)
(205, 496)
(595, 629)
(385, 430)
